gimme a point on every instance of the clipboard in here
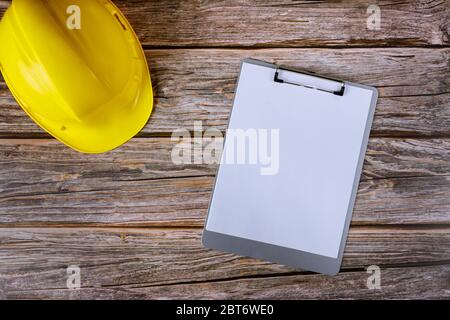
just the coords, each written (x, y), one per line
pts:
(300, 215)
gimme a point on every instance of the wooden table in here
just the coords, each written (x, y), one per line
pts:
(132, 220)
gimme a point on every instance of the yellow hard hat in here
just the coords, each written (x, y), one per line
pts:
(77, 69)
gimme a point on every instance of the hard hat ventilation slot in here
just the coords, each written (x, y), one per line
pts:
(120, 21)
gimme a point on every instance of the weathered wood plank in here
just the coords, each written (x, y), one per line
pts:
(285, 24)
(47, 160)
(413, 84)
(43, 182)
(184, 202)
(198, 85)
(429, 282)
(34, 260)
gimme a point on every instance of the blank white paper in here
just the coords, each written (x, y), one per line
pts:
(304, 206)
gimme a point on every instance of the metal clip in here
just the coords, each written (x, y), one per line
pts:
(337, 92)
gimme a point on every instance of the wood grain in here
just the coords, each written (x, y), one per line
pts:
(184, 202)
(131, 218)
(396, 283)
(43, 182)
(288, 23)
(122, 259)
(198, 85)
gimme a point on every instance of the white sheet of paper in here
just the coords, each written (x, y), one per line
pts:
(304, 205)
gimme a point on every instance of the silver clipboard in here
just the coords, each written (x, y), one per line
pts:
(223, 229)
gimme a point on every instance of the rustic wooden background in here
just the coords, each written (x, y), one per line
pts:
(132, 220)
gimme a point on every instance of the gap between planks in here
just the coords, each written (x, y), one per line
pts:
(149, 135)
(443, 228)
(255, 47)
(401, 227)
